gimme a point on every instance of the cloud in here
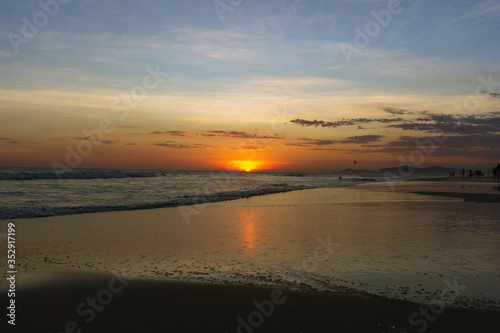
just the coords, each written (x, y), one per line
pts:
(88, 138)
(17, 142)
(343, 122)
(171, 133)
(307, 123)
(84, 138)
(396, 111)
(175, 145)
(325, 142)
(239, 135)
(473, 124)
(362, 139)
(485, 145)
(336, 149)
(250, 147)
(291, 144)
(426, 122)
(318, 142)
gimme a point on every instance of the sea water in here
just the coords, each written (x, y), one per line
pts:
(37, 192)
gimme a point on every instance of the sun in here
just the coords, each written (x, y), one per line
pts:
(245, 165)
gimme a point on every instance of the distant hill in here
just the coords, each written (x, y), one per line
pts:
(357, 172)
(434, 170)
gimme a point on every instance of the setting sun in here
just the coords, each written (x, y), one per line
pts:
(245, 165)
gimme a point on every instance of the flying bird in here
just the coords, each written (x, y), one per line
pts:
(355, 162)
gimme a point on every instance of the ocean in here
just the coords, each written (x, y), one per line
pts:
(39, 192)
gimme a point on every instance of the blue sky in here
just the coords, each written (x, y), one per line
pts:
(232, 74)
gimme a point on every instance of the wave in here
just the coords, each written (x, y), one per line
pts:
(77, 174)
(45, 211)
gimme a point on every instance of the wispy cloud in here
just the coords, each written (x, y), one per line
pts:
(472, 124)
(176, 145)
(343, 122)
(394, 111)
(474, 146)
(238, 135)
(318, 142)
(362, 139)
(170, 133)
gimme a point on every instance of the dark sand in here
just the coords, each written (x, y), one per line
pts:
(167, 306)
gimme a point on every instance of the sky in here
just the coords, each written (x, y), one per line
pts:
(247, 84)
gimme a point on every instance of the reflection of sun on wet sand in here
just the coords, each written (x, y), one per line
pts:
(404, 246)
(249, 232)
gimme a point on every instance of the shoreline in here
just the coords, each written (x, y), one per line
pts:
(46, 211)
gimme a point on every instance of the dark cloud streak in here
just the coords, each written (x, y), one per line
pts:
(238, 135)
(343, 122)
(362, 139)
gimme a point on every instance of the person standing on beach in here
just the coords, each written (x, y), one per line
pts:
(496, 171)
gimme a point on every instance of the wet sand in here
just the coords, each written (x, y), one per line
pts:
(470, 190)
(401, 245)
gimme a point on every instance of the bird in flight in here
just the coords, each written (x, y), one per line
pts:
(355, 162)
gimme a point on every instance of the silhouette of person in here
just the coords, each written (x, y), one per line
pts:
(497, 169)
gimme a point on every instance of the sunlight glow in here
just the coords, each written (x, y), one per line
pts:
(245, 165)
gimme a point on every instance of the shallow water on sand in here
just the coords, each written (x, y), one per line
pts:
(387, 243)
